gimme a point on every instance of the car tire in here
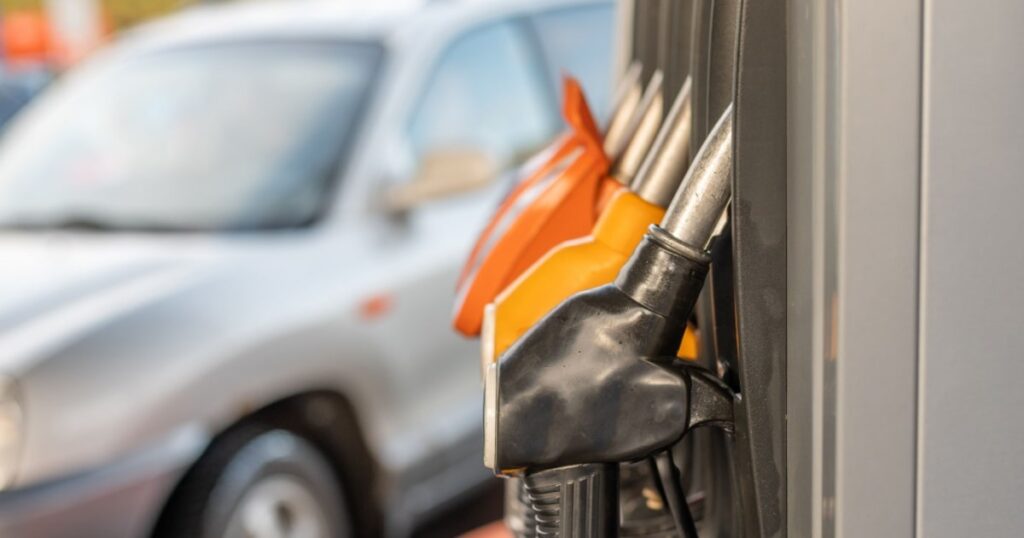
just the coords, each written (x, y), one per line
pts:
(255, 482)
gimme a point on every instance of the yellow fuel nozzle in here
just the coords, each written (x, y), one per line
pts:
(595, 260)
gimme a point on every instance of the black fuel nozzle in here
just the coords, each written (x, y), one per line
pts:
(596, 382)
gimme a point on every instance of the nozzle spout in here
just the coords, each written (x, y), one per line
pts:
(665, 166)
(705, 192)
(627, 99)
(641, 131)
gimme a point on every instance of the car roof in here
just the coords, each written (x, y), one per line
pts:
(377, 20)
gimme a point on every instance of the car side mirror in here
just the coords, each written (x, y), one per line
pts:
(442, 173)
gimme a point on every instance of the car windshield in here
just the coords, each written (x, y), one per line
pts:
(225, 137)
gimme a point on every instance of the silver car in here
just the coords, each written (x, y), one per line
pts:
(228, 252)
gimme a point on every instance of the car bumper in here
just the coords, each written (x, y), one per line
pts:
(122, 499)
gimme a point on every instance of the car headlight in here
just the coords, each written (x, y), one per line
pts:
(10, 431)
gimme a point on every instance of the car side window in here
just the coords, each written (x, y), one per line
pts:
(486, 95)
(578, 41)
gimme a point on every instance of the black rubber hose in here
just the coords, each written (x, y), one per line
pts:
(670, 482)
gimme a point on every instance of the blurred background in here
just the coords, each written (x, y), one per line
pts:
(230, 235)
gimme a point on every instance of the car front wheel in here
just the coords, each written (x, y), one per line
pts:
(257, 483)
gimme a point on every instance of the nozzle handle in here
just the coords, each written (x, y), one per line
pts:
(576, 501)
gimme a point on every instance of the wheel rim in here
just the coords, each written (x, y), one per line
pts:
(278, 506)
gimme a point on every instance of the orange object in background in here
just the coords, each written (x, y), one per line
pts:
(561, 201)
(27, 36)
(59, 35)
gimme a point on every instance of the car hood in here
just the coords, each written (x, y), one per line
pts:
(57, 287)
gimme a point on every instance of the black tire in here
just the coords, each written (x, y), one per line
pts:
(241, 460)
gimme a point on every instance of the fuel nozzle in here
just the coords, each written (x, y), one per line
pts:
(630, 149)
(626, 102)
(595, 382)
(693, 215)
(662, 170)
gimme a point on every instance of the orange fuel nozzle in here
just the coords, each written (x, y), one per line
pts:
(558, 201)
(581, 135)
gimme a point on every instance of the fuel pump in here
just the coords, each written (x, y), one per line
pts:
(660, 36)
(596, 383)
(592, 389)
(590, 262)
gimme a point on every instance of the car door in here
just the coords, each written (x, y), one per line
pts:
(486, 95)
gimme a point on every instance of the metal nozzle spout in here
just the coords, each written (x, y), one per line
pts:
(665, 166)
(641, 131)
(695, 211)
(626, 100)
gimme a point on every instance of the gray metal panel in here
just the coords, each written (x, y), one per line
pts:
(878, 176)
(854, 193)
(803, 386)
(970, 475)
